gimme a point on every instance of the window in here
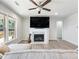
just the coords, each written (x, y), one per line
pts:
(1, 28)
(11, 28)
(7, 28)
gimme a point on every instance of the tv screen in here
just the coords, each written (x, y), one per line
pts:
(39, 22)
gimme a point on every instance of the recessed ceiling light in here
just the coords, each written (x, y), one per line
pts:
(16, 3)
(56, 13)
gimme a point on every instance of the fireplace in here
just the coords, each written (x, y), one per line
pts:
(38, 37)
(39, 29)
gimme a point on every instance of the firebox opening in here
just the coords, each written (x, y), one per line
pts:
(38, 37)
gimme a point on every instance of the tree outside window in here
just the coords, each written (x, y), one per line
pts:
(11, 28)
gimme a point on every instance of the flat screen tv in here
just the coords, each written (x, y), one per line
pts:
(39, 22)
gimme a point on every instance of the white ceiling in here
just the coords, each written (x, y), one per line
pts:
(60, 8)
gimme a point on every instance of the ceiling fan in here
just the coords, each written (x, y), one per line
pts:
(40, 5)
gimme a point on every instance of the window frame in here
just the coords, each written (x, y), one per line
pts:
(2, 16)
(6, 32)
(10, 18)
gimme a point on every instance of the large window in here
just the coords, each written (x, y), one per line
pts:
(1, 28)
(7, 28)
(11, 28)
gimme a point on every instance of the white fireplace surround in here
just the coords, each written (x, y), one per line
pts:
(44, 31)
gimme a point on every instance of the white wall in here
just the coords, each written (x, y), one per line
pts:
(6, 11)
(26, 27)
(70, 29)
(52, 29)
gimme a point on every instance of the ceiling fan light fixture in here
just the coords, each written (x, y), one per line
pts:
(40, 5)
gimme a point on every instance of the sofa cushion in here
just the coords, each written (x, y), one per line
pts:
(18, 47)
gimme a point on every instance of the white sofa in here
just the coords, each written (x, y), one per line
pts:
(23, 51)
(42, 54)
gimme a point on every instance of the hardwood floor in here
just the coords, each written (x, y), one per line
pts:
(53, 44)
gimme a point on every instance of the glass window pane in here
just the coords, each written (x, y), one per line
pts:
(11, 28)
(1, 28)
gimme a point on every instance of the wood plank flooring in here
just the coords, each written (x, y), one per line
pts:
(53, 44)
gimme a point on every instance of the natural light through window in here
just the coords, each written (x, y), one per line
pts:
(7, 28)
(11, 28)
(1, 28)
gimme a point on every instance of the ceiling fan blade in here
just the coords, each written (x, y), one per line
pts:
(46, 2)
(34, 2)
(32, 8)
(46, 9)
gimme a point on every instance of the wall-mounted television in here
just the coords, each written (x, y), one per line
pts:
(39, 22)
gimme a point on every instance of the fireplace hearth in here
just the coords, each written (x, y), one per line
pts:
(38, 37)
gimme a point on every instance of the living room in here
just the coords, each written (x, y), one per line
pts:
(47, 29)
